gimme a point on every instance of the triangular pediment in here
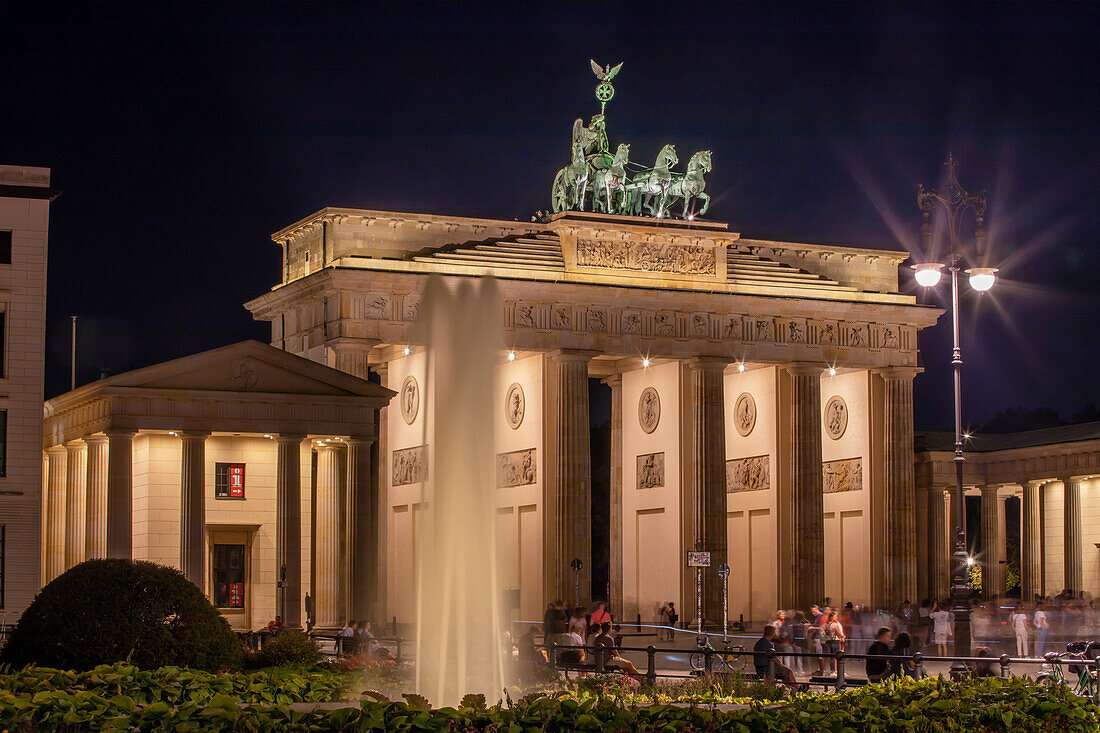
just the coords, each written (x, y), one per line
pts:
(248, 366)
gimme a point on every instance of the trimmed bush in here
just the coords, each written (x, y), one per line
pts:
(105, 611)
(290, 649)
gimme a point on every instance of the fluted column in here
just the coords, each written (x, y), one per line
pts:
(708, 472)
(924, 544)
(572, 491)
(74, 503)
(351, 355)
(1074, 574)
(615, 572)
(288, 528)
(804, 580)
(328, 560)
(193, 507)
(120, 494)
(1031, 548)
(899, 495)
(55, 513)
(939, 542)
(95, 503)
(360, 508)
(992, 570)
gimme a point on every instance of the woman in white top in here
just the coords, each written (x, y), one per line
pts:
(1019, 623)
(941, 629)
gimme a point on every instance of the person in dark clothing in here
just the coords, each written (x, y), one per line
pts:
(903, 650)
(876, 668)
(760, 661)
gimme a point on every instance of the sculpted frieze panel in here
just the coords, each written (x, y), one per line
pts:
(411, 309)
(732, 328)
(857, 334)
(664, 323)
(410, 465)
(631, 322)
(525, 315)
(371, 307)
(843, 475)
(651, 470)
(597, 320)
(765, 330)
(826, 334)
(646, 256)
(796, 332)
(516, 468)
(561, 317)
(699, 325)
(748, 474)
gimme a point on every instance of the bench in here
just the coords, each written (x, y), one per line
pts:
(827, 682)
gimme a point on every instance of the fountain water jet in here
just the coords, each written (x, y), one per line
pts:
(459, 629)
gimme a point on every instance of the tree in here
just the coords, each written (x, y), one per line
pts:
(105, 611)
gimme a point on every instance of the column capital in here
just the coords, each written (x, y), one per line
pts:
(97, 439)
(1036, 482)
(120, 432)
(284, 438)
(990, 488)
(350, 345)
(57, 450)
(323, 446)
(803, 369)
(615, 380)
(1075, 479)
(573, 356)
(898, 372)
(193, 434)
(75, 444)
(359, 440)
(708, 363)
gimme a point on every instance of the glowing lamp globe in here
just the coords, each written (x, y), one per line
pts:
(982, 278)
(928, 274)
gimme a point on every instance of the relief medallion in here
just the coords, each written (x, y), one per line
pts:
(649, 409)
(744, 414)
(410, 399)
(836, 417)
(514, 406)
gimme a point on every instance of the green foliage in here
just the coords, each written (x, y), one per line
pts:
(174, 684)
(105, 611)
(933, 704)
(721, 687)
(290, 649)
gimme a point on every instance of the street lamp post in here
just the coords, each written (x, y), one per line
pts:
(955, 203)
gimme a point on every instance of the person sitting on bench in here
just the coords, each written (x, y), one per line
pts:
(876, 668)
(612, 660)
(760, 660)
(573, 655)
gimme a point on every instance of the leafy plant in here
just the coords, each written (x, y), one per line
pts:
(104, 611)
(290, 648)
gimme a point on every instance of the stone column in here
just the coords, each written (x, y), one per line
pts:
(328, 605)
(571, 536)
(193, 507)
(120, 494)
(74, 503)
(361, 561)
(55, 513)
(899, 495)
(288, 528)
(615, 572)
(803, 583)
(381, 479)
(993, 579)
(939, 558)
(95, 504)
(1031, 549)
(707, 469)
(351, 355)
(1072, 546)
(924, 544)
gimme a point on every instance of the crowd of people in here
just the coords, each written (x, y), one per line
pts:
(577, 632)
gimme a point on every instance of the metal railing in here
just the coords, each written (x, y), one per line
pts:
(602, 654)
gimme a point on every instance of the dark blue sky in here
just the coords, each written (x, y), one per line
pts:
(182, 135)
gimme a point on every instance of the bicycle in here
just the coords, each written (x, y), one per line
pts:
(730, 659)
(1052, 674)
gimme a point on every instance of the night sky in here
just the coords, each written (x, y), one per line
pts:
(183, 135)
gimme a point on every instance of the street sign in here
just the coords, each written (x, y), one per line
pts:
(697, 559)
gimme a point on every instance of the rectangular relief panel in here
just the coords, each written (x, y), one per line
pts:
(748, 474)
(410, 466)
(843, 475)
(651, 470)
(516, 468)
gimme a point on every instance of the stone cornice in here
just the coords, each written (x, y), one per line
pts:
(370, 218)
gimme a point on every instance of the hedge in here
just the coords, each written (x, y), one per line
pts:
(928, 705)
